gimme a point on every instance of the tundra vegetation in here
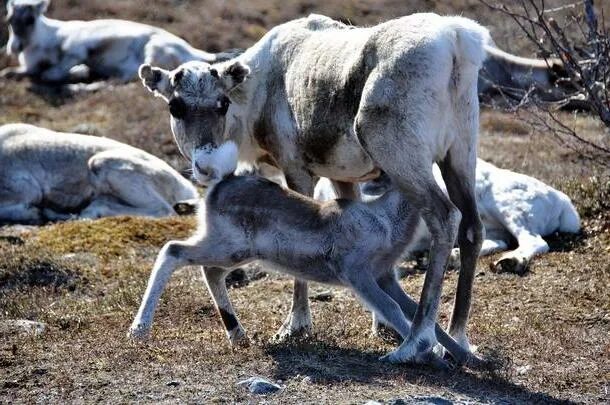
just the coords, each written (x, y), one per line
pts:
(85, 279)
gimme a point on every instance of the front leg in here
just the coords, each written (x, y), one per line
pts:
(60, 73)
(298, 322)
(15, 73)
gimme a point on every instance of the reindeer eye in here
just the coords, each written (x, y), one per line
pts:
(222, 105)
(177, 108)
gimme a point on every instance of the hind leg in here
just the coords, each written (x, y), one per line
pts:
(458, 171)
(214, 278)
(126, 186)
(397, 141)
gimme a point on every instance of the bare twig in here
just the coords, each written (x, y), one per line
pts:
(586, 61)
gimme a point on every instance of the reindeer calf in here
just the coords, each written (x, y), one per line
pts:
(339, 242)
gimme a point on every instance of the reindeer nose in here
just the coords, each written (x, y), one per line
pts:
(204, 171)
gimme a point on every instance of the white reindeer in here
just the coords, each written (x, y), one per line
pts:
(339, 242)
(513, 206)
(318, 98)
(48, 175)
(57, 51)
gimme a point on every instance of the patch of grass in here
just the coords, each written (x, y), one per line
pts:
(110, 238)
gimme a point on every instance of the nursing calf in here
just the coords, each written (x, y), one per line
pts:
(58, 51)
(48, 176)
(339, 242)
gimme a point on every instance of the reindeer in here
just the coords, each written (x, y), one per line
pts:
(50, 176)
(513, 206)
(317, 98)
(516, 77)
(61, 51)
(339, 242)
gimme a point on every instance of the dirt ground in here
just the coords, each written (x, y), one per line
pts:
(84, 279)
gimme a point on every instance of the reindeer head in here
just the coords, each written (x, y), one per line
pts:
(198, 96)
(22, 16)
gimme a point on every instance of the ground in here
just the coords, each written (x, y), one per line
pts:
(549, 329)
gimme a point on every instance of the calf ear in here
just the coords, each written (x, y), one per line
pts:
(234, 74)
(156, 80)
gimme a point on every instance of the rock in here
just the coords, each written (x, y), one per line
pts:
(258, 385)
(22, 326)
(322, 296)
(172, 383)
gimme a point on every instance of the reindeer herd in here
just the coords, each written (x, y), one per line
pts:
(383, 117)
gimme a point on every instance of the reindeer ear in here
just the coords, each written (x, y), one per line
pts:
(41, 6)
(156, 80)
(234, 75)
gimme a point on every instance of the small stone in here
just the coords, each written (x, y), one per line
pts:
(522, 370)
(261, 386)
(173, 383)
(22, 326)
(307, 380)
(323, 296)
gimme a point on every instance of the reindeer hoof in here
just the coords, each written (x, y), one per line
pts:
(515, 265)
(139, 332)
(238, 338)
(386, 333)
(428, 358)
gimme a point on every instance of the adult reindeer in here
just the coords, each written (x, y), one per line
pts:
(318, 98)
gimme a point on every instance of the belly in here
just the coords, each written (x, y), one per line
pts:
(338, 156)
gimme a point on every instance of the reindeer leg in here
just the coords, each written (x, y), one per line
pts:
(214, 278)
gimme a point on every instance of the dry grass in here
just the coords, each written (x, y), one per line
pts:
(85, 279)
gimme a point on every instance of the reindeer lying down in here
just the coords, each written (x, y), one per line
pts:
(47, 175)
(339, 242)
(59, 51)
(513, 206)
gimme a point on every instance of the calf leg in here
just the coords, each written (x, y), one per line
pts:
(171, 257)
(389, 310)
(214, 278)
(441, 218)
(390, 285)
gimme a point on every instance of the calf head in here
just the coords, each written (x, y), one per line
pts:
(198, 96)
(22, 17)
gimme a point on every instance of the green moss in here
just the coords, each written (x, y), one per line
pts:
(113, 237)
